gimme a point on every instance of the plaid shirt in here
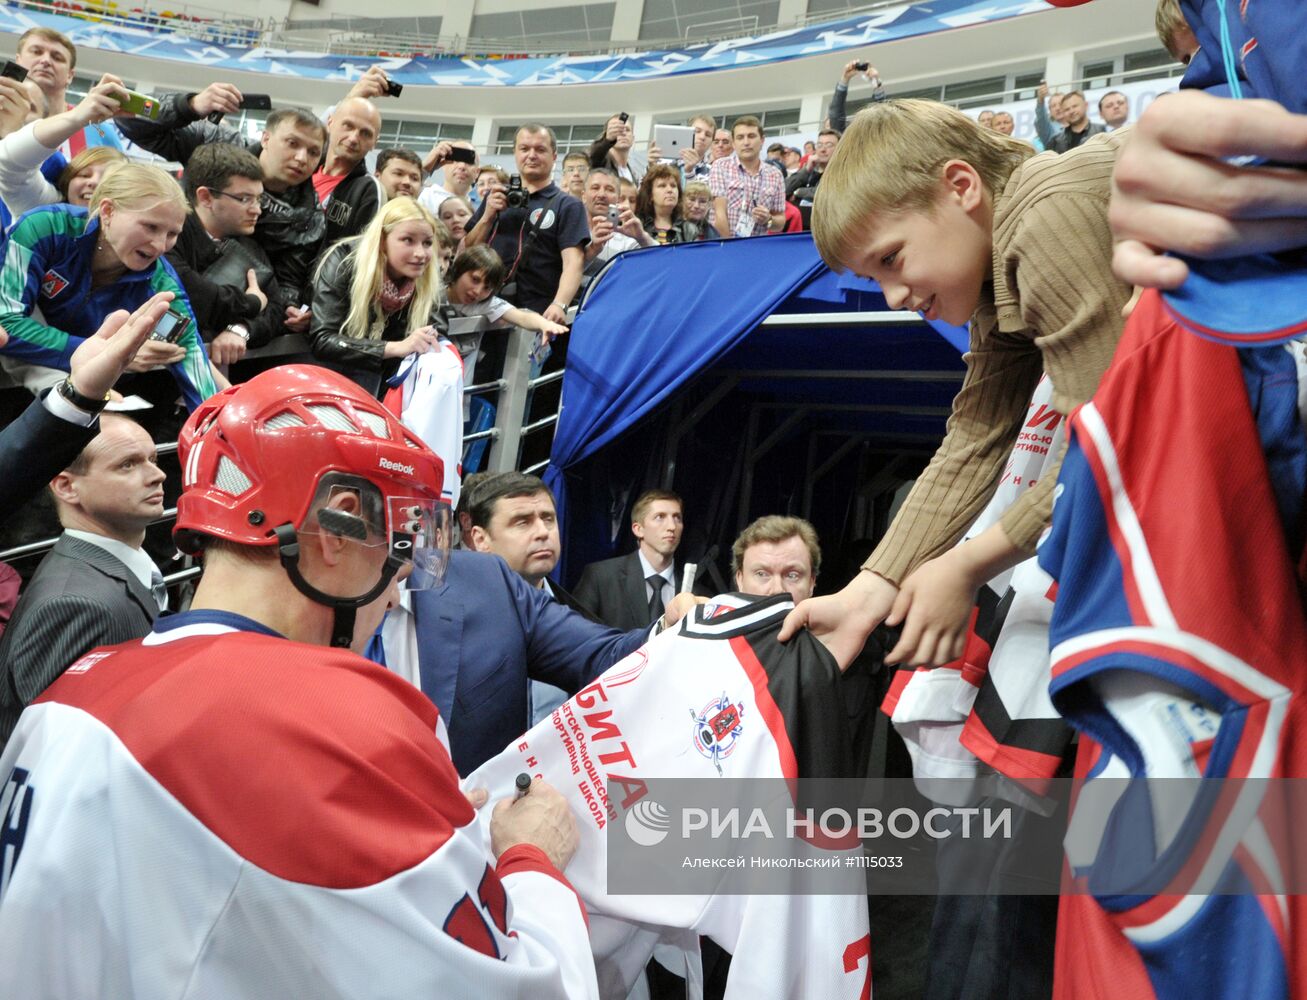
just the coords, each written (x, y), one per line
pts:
(742, 190)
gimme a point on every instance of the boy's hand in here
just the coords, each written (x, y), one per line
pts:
(843, 621)
(1173, 190)
(936, 601)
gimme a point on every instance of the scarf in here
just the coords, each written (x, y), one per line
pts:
(394, 297)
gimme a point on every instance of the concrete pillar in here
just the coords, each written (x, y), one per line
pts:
(1060, 70)
(627, 16)
(812, 109)
(791, 11)
(457, 18)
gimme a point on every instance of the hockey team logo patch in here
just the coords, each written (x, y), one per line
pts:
(52, 283)
(717, 728)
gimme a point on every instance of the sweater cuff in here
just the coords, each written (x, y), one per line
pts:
(1024, 522)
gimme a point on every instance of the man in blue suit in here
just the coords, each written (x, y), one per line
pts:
(473, 643)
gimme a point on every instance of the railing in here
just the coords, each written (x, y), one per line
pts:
(511, 391)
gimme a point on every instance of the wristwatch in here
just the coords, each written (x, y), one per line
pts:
(69, 392)
(241, 330)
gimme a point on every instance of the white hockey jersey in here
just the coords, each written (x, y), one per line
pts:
(718, 696)
(220, 813)
(427, 395)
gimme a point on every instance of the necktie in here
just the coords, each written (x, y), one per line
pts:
(656, 607)
(159, 590)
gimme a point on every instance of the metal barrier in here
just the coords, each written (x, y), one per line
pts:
(512, 392)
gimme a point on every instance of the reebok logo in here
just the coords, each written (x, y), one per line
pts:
(386, 463)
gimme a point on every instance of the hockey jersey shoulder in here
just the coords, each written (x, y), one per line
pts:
(286, 752)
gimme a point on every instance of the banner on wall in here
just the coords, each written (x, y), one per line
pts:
(154, 38)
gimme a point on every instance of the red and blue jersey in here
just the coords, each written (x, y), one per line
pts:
(1179, 642)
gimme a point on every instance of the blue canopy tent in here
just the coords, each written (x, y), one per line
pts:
(750, 378)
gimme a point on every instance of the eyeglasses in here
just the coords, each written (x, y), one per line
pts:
(244, 200)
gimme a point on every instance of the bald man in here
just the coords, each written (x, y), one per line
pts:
(349, 194)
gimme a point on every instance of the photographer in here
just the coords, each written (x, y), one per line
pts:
(613, 229)
(539, 231)
(22, 185)
(835, 113)
(613, 148)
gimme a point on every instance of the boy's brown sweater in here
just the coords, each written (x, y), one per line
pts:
(1053, 305)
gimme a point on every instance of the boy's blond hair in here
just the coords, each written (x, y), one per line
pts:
(1170, 22)
(890, 160)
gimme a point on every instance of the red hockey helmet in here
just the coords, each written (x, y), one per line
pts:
(259, 458)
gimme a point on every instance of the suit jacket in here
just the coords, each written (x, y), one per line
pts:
(613, 591)
(34, 449)
(483, 634)
(80, 597)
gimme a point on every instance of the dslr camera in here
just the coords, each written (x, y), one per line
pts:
(516, 195)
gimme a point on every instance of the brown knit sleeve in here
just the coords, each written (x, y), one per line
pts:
(1061, 259)
(1002, 371)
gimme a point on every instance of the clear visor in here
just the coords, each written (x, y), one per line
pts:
(415, 531)
(420, 536)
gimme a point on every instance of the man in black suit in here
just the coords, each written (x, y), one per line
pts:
(52, 430)
(633, 590)
(97, 586)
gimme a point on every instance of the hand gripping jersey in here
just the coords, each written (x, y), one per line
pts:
(220, 813)
(427, 395)
(778, 714)
(1179, 646)
(988, 711)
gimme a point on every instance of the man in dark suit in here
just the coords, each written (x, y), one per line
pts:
(633, 590)
(97, 586)
(54, 429)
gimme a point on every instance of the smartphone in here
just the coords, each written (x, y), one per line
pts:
(623, 117)
(394, 89)
(256, 102)
(14, 71)
(171, 326)
(461, 154)
(862, 67)
(141, 106)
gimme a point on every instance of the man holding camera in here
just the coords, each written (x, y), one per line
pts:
(538, 230)
(613, 229)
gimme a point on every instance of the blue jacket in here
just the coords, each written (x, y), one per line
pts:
(483, 634)
(47, 264)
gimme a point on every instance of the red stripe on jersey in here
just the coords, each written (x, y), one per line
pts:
(529, 858)
(1029, 768)
(770, 711)
(312, 763)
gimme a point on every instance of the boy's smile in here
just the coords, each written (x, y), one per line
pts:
(936, 260)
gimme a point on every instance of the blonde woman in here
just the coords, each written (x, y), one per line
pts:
(78, 266)
(374, 295)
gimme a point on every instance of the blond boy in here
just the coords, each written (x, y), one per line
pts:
(962, 223)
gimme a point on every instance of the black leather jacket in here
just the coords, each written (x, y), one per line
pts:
(361, 358)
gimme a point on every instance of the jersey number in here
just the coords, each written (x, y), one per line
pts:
(853, 956)
(467, 922)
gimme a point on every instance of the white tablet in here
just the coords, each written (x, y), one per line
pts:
(671, 139)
